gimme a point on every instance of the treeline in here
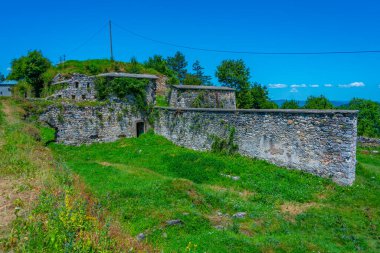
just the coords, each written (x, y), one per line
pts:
(35, 73)
(368, 116)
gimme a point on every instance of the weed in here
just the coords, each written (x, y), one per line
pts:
(224, 146)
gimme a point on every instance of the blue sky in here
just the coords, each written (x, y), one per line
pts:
(64, 27)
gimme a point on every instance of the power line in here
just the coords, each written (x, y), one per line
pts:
(244, 52)
(89, 39)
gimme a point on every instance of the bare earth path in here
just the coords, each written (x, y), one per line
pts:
(16, 193)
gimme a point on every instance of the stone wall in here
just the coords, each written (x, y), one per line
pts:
(188, 96)
(82, 87)
(162, 86)
(78, 87)
(76, 125)
(366, 141)
(319, 142)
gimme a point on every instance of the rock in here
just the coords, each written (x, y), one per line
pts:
(219, 227)
(239, 215)
(235, 178)
(174, 222)
(165, 235)
(141, 236)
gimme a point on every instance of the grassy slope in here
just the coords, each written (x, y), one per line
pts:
(95, 66)
(43, 207)
(147, 181)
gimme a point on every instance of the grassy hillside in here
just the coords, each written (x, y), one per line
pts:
(94, 67)
(148, 181)
(99, 198)
(43, 206)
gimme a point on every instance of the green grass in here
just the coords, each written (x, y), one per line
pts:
(43, 208)
(162, 101)
(146, 181)
(94, 67)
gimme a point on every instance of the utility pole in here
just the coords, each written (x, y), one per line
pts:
(110, 27)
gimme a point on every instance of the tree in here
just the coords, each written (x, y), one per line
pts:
(30, 68)
(368, 116)
(192, 79)
(178, 64)
(134, 65)
(158, 63)
(198, 72)
(290, 104)
(2, 77)
(233, 74)
(320, 102)
(260, 98)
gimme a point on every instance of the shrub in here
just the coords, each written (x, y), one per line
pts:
(22, 90)
(224, 145)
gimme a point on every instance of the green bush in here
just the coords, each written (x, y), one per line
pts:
(224, 145)
(320, 102)
(368, 117)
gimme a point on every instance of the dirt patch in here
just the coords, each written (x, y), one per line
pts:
(105, 164)
(244, 194)
(219, 219)
(245, 230)
(15, 198)
(296, 208)
(9, 112)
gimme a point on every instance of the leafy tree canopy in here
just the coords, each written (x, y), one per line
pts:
(31, 69)
(178, 64)
(290, 104)
(2, 77)
(192, 79)
(157, 62)
(233, 74)
(368, 117)
(320, 102)
(260, 97)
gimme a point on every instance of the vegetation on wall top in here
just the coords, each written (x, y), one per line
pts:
(121, 88)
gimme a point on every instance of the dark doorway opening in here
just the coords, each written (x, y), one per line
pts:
(139, 128)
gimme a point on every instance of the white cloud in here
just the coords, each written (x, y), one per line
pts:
(314, 85)
(328, 85)
(277, 85)
(294, 90)
(9, 69)
(298, 85)
(350, 85)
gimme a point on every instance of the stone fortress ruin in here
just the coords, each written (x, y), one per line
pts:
(320, 142)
